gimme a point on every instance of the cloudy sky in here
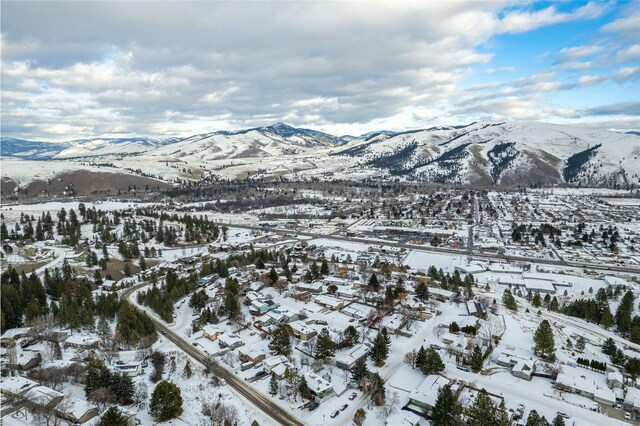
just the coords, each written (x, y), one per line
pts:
(85, 69)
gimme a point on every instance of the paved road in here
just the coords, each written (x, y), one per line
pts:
(270, 408)
(491, 256)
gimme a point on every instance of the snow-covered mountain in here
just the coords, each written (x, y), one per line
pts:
(504, 153)
(32, 150)
(484, 153)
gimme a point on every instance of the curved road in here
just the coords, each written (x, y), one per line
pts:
(270, 408)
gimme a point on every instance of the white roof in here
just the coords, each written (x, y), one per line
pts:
(539, 276)
(605, 394)
(13, 332)
(229, 339)
(17, 384)
(42, 395)
(329, 301)
(352, 354)
(275, 360)
(75, 406)
(317, 383)
(82, 339)
(536, 284)
(427, 392)
(441, 292)
(211, 330)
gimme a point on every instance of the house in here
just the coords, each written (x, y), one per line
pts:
(281, 369)
(474, 268)
(520, 367)
(348, 358)
(424, 396)
(109, 285)
(211, 332)
(615, 380)
(346, 292)
(230, 341)
(302, 331)
(26, 360)
(329, 302)
(403, 418)
(272, 362)
(604, 396)
(43, 397)
(314, 288)
(251, 354)
(393, 323)
(632, 399)
(321, 388)
(82, 341)
(474, 309)
(76, 410)
(130, 369)
(441, 294)
(10, 336)
(261, 307)
(524, 369)
(16, 386)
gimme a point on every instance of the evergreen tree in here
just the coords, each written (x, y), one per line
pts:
(447, 410)
(380, 350)
(433, 363)
(509, 301)
(558, 421)
(273, 276)
(325, 347)
(534, 419)
(554, 306)
(273, 385)
(484, 413)
(187, 370)
(359, 371)
(535, 301)
(324, 267)
(623, 314)
(475, 361)
(303, 388)
(422, 291)
(373, 281)
(606, 319)
(113, 417)
(104, 330)
(543, 338)
(166, 401)
(280, 343)
(421, 357)
(351, 335)
(609, 347)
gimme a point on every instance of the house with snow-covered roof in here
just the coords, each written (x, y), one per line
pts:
(76, 410)
(348, 358)
(424, 396)
(321, 388)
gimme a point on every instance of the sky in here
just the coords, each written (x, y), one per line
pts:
(86, 69)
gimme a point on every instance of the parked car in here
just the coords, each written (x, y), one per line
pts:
(353, 396)
(335, 414)
(627, 416)
(344, 407)
(434, 346)
(314, 406)
(563, 414)
(260, 374)
(222, 382)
